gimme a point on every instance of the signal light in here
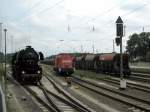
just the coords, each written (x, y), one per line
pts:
(117, 40)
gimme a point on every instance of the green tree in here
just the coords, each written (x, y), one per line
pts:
(132, 45)
(138, 45)
(143, 45)
(1, 57)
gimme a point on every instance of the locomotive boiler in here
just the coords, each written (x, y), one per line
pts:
(25, 65)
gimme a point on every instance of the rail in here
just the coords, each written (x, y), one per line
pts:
(127, 99)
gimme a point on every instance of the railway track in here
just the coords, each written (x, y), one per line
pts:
(129, 84)
(70, 100)
(51, 101)
(141, 74)
(140, 77)
(144, 105)
(137, 77)
(54, 101)
(39, 101)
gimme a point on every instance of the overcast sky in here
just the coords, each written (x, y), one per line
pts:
(54, 26)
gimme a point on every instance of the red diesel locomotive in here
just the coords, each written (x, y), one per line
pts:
(64, 64)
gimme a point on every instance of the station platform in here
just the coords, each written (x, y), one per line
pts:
(2, 101)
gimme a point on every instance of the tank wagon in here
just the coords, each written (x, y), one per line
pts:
(50, 61)
(80, 62)
(104, 62)
(64, 64)
(110, 63)
(25, 65)
(89, 61)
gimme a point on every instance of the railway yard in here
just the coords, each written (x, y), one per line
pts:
(88, 92)
(74, 56)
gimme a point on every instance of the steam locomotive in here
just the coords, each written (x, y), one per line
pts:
(25, 65)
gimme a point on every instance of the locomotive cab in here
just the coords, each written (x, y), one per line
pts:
(64, 64)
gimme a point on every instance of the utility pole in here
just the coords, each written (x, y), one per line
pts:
(93, 47)
(1, 37)
(12, 44)
(143, 28)
(124, 31)
(1, 51)
(81, 49)
(113, 46)
(5, 30)
(93, 29)
(68, 28)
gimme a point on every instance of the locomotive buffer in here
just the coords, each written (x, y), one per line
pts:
(119, 34)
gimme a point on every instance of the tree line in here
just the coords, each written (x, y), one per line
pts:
(8, 57)
(138, 46)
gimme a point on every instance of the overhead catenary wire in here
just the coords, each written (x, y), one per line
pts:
(109, 10)
(124, 15)
(29, 10)
(130, 12)
(101, 14)
(42, 11)
(34, 6)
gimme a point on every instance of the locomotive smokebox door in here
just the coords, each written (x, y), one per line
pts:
(119, 27)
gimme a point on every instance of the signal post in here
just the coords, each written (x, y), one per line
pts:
(119, 34)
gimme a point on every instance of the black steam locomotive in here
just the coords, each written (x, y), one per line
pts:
(25, 65)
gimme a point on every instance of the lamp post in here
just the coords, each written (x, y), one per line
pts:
(119, 34)
(1, 37)
(1, 51)
(12, 44)
(5, 30)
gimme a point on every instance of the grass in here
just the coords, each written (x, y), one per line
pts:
(141, 64)
(90, 74)
(82, 73)
(143, 67)
(1, 72)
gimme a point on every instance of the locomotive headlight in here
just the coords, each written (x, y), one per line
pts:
(23, 72)
(38, 71)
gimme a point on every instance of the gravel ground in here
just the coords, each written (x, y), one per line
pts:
(98, 102)
(128, 91)
(19, 100)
